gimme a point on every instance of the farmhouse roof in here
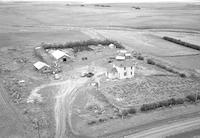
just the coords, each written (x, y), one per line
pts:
(119, 57)
(38, 47)
(127, 54)
(122, 51)
(39, 65)
(126, 63)
(59, 54)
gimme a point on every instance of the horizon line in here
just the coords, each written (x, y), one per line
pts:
(106, 1)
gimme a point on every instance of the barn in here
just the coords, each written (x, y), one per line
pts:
(60, 56)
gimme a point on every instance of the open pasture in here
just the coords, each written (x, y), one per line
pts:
(148, 43)
(17, 16)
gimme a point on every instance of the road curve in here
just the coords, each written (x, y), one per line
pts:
(167, 129)
(64, 98)
(62, 105)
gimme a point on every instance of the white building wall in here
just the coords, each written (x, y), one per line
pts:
(124, 73)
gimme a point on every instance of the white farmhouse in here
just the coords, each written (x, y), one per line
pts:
(122, 70)
(60, 55)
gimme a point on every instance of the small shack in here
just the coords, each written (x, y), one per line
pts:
(60, 56)
(112, 46)
(128, 55)
(42, 67)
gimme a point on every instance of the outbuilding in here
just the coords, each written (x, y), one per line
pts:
(128, 55)
(60, 56)
(122, 51)
(112, 46)
(42, 67)
(120, 58)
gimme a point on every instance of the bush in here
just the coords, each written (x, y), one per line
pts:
(179, 101)
(101, 5)
(150, 61)
(161, 66)
(165, 103)
(111, 117)
(198, 97)
(124, 113)
(119, 115)
(92, 122)
(132, 111)
(79, 46)
(140, 57)
(101, 120)
(147, 107)
(186, 44)
(191, 98)
(182, 75)
(172, 101)
(137, 8)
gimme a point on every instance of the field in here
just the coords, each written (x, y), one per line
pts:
(147, 42)
(188, 62)
(90, 16)
(149, 90)
(25, 25)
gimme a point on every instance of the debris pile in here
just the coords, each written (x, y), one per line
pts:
(15, 89)
(21, 60)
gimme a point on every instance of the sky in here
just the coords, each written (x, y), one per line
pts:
(111, 1)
